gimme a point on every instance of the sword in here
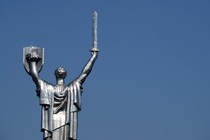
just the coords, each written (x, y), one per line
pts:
(94, 32)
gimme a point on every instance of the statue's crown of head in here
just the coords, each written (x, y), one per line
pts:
(60, 72)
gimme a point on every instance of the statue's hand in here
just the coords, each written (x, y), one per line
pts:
(33, 56)
(94, 50)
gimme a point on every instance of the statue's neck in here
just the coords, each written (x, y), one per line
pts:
(60, 81)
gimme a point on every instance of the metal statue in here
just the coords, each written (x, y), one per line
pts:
(60, 103)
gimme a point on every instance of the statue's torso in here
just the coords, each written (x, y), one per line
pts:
(60, 105)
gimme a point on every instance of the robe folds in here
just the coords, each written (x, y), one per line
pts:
(64, 115)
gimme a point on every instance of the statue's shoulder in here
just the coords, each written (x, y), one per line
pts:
(45, 83)
(76, 85)
(74, 82)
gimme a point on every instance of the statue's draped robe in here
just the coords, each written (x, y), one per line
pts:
(59, 110)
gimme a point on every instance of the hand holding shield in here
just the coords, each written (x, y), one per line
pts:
(33, 54)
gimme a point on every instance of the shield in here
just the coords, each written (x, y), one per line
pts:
(29, 51)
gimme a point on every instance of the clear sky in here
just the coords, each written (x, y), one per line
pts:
(151, 80)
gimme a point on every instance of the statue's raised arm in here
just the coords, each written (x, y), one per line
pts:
(88, 67)
(33, 61)
(94, 52)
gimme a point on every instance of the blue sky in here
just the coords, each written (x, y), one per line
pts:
(150, 82)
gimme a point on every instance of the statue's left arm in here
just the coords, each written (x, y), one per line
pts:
(88, 67)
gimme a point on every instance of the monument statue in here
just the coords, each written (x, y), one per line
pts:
(60, 103)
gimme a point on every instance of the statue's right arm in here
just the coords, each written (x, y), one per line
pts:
(35, 76)
(33, 72)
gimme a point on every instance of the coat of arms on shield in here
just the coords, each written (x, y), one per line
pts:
(33, 51)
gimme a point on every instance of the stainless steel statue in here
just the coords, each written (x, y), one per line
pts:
(60, 103)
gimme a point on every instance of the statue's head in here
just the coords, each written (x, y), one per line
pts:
(60, 73)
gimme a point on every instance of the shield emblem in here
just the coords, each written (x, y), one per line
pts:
(29, 51)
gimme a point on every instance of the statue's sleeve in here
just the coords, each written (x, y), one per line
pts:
(75, 90)
(45, 93)
(78, 95)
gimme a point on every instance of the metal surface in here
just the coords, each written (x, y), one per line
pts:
(30, 51)
(60, 102)
(94, 32)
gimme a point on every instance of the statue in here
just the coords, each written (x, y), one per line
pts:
(60, 103)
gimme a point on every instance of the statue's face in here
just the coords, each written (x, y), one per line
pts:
(60, 72)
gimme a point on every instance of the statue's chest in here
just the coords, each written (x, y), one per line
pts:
(60, 90)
